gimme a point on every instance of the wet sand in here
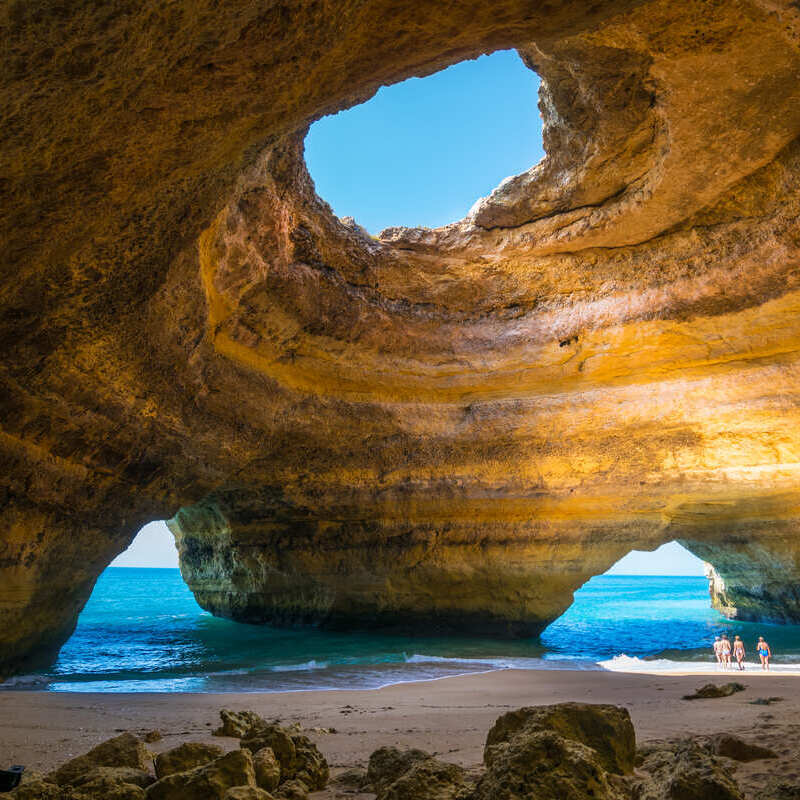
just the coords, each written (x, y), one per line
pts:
(449, 717)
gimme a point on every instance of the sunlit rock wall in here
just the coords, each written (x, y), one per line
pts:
(442, 429)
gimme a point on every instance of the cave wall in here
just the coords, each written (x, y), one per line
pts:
(453, 427)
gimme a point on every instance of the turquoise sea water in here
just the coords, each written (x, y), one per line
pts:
(142, 631)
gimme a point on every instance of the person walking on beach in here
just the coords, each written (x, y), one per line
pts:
(718, 650)
(725, 647)
(738, 652)
(764, 653)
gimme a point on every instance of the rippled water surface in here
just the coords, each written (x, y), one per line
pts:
(142, 631)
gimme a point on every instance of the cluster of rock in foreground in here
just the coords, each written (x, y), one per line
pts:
(272, 763)
(569, 751)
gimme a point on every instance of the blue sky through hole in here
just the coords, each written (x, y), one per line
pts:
(421, 152)
(155, 547)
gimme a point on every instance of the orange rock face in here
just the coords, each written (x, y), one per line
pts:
(448, 428)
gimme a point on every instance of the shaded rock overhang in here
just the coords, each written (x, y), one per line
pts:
(450, 427)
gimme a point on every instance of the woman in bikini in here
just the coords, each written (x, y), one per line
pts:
(764, 652)
(726, 652)
(718, 650)
(738, 652)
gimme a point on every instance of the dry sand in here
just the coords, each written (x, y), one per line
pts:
(449, 717)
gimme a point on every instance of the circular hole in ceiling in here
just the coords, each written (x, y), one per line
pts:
(421, 152)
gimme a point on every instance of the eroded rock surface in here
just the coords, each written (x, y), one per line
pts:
(606, 729)
(185, 757)
(395, 774)
(569, 751)
(123, 751)
(684, 771)
(211, 781)
(452, 428)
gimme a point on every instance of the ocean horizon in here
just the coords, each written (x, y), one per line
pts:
(143, 631)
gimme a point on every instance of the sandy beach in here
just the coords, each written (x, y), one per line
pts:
(449, 717)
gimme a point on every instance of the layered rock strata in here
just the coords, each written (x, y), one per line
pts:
(447, 428)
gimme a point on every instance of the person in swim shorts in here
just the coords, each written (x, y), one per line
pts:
(764, 653)
(718, 650)
(725, 647)
(738, 652)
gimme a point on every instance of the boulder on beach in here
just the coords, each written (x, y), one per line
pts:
(395, 774)
(730, 746)
(354, 777)
(606, 729)
(121, 751)
(209, 782)
(544, 765)
(186, 756)
(236, 723)
(387, 764)
(684, 771)
(712, 690)
(429, 779)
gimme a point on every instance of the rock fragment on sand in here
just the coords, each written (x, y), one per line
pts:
(355, 777)
(429, 779)
(186, 757)
(606, 729)
(725, 744)
(712, 690)
(152, 736)
(209, 782)
(236, 723)
(395, 774)
(765, 701)
(124, 750)
(684, 771)
(268, 769)
(387, 764)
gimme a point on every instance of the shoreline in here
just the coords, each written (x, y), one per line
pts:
(709, 670)
(448, 716)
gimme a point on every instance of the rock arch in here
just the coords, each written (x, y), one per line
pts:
(603, 353)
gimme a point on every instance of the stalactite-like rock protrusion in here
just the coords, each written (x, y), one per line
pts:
(447, 428)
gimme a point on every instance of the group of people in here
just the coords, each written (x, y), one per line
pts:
(723, 648)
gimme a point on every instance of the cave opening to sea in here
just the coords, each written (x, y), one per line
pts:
(142, 630)
(420, 153)
(649, 604)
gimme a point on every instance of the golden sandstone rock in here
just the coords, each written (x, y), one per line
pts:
(448, 428)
